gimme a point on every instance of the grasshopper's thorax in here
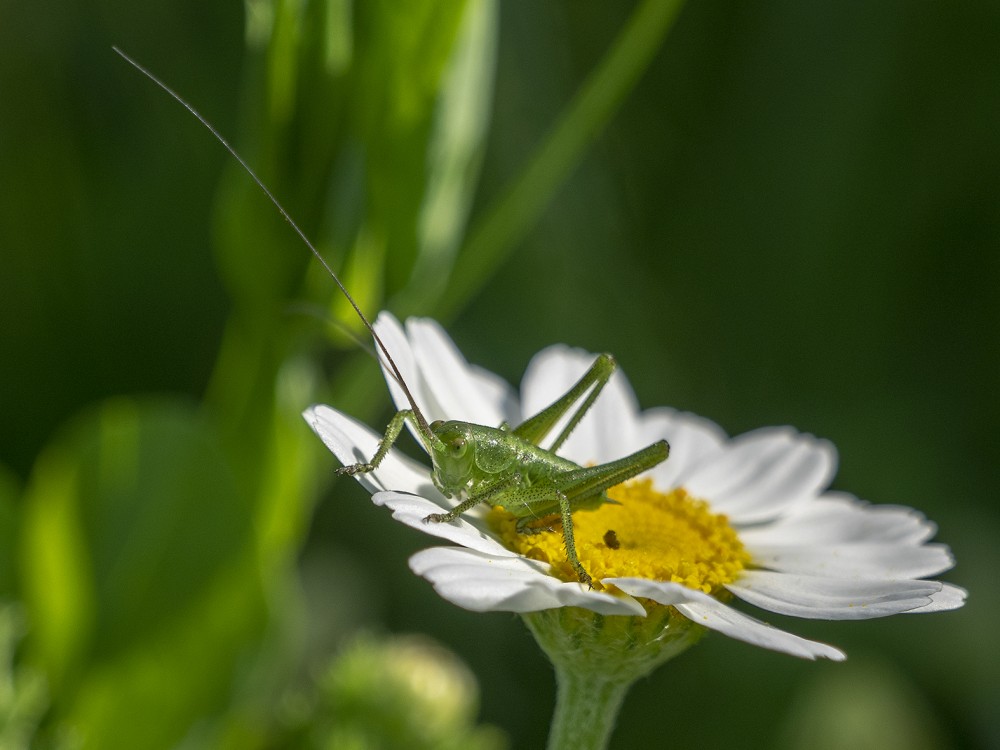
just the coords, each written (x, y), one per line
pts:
(470, 456)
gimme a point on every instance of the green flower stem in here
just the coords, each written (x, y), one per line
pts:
(596, 659)
(517, 210)
(586, 710)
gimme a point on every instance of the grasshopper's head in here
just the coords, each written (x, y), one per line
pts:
(454, 457)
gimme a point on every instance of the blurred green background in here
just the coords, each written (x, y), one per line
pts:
(771, 213)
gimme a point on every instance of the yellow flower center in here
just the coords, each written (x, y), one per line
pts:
(665, 537)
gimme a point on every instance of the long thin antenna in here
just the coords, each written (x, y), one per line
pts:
(317, 312)
(425, 429)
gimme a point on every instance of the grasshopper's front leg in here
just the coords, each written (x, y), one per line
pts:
(391, 434)
(486, 496)
(510, 490)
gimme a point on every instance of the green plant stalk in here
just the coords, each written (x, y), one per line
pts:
(597, 658)
(494, 237)
(586, 710)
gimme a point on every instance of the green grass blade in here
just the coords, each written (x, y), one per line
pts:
(518, 209)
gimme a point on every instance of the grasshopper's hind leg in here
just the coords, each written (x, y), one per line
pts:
(581, 488)
(588, 388)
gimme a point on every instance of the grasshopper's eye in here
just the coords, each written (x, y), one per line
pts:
(457, 447)
(436, 424)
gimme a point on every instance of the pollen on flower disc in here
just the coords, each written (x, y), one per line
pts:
(648, 534)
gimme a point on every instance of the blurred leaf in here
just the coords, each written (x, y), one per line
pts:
(403, 50)
(139, 570)
(291, 467)
(363, 274)
(370, 130)
(284, 50)
(405, 693)
(258, 256)
(295, 114)
(23, 696)
(455, 154)
(152, 695)
(56, 576)
(866, 704)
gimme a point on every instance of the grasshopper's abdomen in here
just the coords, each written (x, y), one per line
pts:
(493, 466)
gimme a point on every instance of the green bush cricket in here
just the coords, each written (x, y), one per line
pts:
(499, 466)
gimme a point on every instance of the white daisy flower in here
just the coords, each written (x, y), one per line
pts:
(747, 517)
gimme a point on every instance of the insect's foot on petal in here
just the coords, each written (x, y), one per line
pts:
(354, 469)
(438, 518)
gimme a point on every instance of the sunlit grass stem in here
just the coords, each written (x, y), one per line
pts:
(518, 209)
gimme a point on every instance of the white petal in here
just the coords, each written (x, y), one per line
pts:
(469, 530)
(484, 583)
(609, 430)
(742, 461)
(461, 391)
(611, 426)
(831, 598)
(886, 561)
(763, 473)
(392, 335)
(692, 440)
(499, 392)
(717, 616)
(837, 517)
(352, 442)
(949, 597)
(549, 375)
